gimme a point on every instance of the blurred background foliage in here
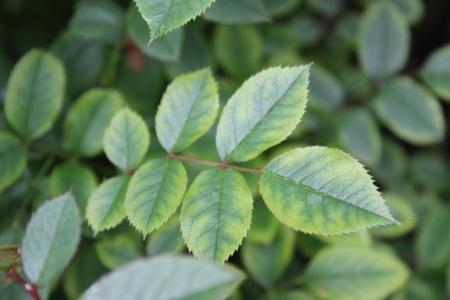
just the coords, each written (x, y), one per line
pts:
(380, 89)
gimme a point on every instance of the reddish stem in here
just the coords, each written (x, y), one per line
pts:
(31, 289)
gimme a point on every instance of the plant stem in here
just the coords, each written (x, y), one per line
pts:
(212, 163)
(30, 288)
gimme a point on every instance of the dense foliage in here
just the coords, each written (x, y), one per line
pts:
(224, 149)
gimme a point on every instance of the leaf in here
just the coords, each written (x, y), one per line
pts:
(177, 277)
(97, 20)
(262, 112)
(412, 10)
(267, 262)
(126, 140)
(167, 239)
(264, 226)
(327, 92)
(322, 190)
(280, 7)
(105, 207)
(154, 193)
(237, 12)
(436, 72)
(410, 112)
(187, 110)
(216, 214)
(430, 170)
(239, 49)
(166, 48)
(384, 40)
(164, 16)
(13, 159)
(88, 119)
(359, 134)
(403, 211)
(51, 239)
(34, 94)
(433, 240)
(118, 250)
(80, 180)
(355, 273)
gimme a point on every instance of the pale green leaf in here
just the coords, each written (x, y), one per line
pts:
(187, 110)
(117, 250)
(166, 48)
(402, 211)
(167, 239)
(384, 40)
(322, 190)
(410, 112)
(433, 240)
(237, 12)
(97, 20)
(105, 208)
(126, 139)
(216, 214)
(163, 16)
(239, 49)
(35, 94)
(167, 277)
(436, 72)
(51, 239)
(267, 262)
(154, 193)
(412, 10)
(262, 112)
(359, 134)
(87, 120)
(342, 273)
(13, 159)
(79, 179)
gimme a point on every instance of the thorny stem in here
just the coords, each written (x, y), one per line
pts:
(31, 289)
(212, 163)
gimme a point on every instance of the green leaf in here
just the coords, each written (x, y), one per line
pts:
(173, 280)
(326, 91)
(412, 10)
(410, 112)
(402, 211)
(216, 214)
(384, 40)
(280, 7)
(167, 239)
(430, 170)
(51, 239)
(262, 112)
(166, 48)
(105, 207)
(433, 240)
(117, 250)
(34, 94)
(80, 180)
(288, 295)
(154, 193)
(88, 119)
(264, 225)
(164, 16)
(436, 72)
(13, 159)
(359, 134)
(97, 20)
(267, 263)
(237, 12)
(187, 110)
(355, 273)
(322, 190)
(239, 49)
(126, 140)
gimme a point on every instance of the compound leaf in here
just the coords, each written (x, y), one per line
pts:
(51, 239)
(216, 214)
(183, 278)
(163, 16)
(105, 207)
(88, 119)
(13, 159)
(355, 273)
(262, 112)
(322, 190)
(35, 94)
(126, 139)
(154, 193)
